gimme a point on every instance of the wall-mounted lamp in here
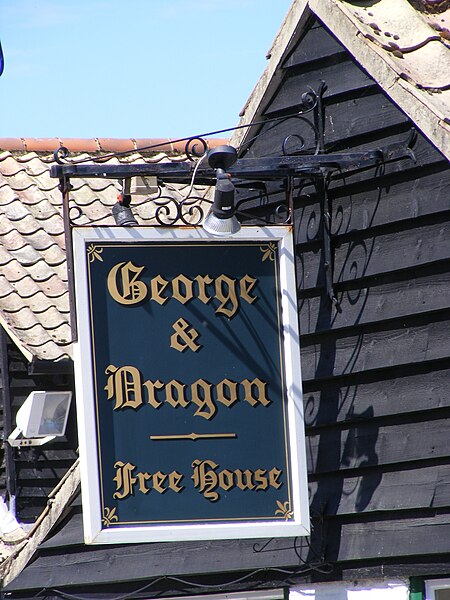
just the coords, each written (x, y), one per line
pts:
(41, 418)
(121, 210)
(221, 219)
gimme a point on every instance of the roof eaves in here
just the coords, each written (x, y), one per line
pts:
(16, 339)
(416, 103)
(60, 497)
(99, 145)
(424, 107)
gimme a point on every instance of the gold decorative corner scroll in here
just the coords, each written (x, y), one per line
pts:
(269, 251)
(94, 252)
(109, 516)
(284, 510)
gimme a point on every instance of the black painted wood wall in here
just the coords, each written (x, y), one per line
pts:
(376, 368)
(37, 470)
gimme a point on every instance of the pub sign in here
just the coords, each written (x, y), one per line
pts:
(188, 385)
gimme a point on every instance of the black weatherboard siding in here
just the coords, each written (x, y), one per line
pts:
(37, 470)
(375, 368)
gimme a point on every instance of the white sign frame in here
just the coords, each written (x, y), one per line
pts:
(94, 533)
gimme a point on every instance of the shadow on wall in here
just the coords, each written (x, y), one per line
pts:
(359, 452)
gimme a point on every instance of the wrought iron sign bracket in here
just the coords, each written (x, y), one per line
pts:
(299, 162)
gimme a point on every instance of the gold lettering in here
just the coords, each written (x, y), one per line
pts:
(246, 284)
(158, 284)
(247, 484)
(184, 338)
(142, 478)
(201, 396)
(208, 477)
(231, 398)
(274, 475)
(178, 388)
(226, 295)
(176, 289)
(205, 478)
(125, 386)
(124, 480)
(202, 283)
(226, 480)
(261, 389)
(174, 481)
(158, 480)
(132, 290)
(261, 479)
(151, 386)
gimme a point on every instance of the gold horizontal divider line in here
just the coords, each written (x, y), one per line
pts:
(193, 436)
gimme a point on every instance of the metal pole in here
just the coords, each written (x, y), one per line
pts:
(7, 425)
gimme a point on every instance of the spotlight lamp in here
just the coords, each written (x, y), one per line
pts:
(221, 219)
(121, 210)
(41, 418)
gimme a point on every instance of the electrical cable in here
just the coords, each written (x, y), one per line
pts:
(288, 572)
(191, 185)
(109, 155)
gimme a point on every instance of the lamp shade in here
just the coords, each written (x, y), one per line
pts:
(43, 414)
(217, 226)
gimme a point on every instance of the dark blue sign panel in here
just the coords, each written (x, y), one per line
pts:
(189, 386)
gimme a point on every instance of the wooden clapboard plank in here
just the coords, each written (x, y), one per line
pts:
(368, 444)
(374, 254)
(341, 76)
(392, 251)
(377, 202)
(330, 355)
(133, 563)
(344, 120)
(316, 44)
(389, 538)
(374, 490)
(376, 301)
(385, 393)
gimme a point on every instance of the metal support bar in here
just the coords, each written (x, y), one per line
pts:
(10, 466)
(245, 168)
(65, 188)
(321, 185)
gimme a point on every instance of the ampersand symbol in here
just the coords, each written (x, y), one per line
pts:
(183, 337)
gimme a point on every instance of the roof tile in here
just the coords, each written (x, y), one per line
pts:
(34, 299)
(407, 39)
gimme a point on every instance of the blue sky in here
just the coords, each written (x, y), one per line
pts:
(136, 68)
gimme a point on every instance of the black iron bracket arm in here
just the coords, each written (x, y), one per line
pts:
(265, 168)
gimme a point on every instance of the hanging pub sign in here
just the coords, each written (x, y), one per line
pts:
(188, 385)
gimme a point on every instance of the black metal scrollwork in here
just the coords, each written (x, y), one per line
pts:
(188, 211)
(60, 154)
(195, 147)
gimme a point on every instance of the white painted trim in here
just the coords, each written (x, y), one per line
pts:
(93, 531)
(247, 595)
(374, 589)
(433, 585)
(27, 354)
(375, 61)
(414, 102)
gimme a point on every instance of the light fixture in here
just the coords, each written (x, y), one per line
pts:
(121, 210)
(221, 219)
(41, 418)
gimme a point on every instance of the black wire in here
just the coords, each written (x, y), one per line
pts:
(184, 139)
(288, 572)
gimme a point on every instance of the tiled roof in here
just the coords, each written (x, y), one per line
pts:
(403, 44)
(34, 299)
